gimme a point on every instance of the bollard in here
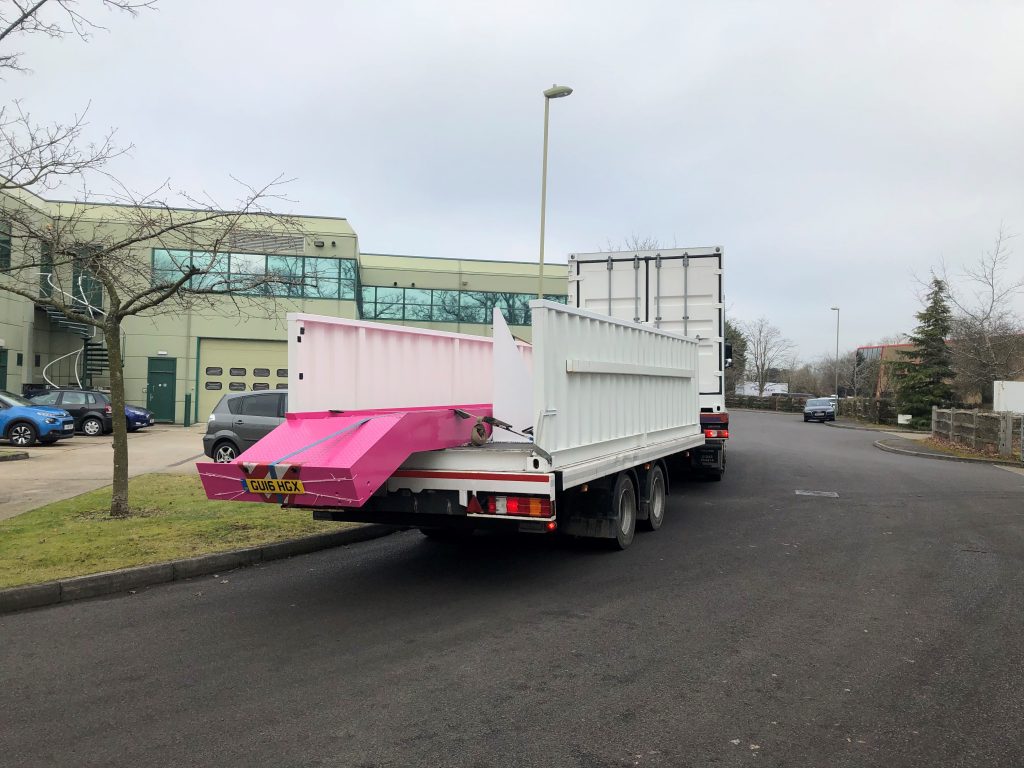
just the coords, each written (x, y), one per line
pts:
(188, 409)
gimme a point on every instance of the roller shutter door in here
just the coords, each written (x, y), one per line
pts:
(239, 365)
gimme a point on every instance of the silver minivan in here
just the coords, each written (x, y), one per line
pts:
(240, 419)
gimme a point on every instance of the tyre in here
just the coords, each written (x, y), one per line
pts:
(92, 426)
(806, 419)
(717, 475)
(624, 508)
(22, 434)
(656, 499)
(224, 451)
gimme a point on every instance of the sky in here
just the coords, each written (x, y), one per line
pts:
(837, 151)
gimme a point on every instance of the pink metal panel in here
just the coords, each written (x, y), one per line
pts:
(341, 459)
(354, 364)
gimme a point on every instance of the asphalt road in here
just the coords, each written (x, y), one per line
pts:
(757, 627)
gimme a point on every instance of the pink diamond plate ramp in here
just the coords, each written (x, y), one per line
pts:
(334, 459)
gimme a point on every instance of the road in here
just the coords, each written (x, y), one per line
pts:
(758, 627)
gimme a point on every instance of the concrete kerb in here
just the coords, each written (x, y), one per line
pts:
(877, 428)
(881, 445)
(127, 579)
(13, 455)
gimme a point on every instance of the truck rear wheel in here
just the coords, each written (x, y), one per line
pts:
(656, 499)
(624, 507)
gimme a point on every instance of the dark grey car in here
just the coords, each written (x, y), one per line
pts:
(239, 420)
(819, 409)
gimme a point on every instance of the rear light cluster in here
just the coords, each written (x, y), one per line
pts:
(107, 409)
(522, 506)
(716, 433)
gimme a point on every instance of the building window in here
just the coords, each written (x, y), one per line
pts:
(259, 274)
(439, 306)
(260, 385)
(5, 245)
(237, 386)
(281, 386)
(20, 359)
(237, 371)
(282, 373)
(261, 372)
(214, 385)
(214, 370)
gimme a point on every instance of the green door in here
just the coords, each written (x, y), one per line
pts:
(160, 387)
(3, 369)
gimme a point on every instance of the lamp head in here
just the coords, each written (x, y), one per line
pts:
(557, 92)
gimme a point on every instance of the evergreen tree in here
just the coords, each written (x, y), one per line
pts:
(925, 373)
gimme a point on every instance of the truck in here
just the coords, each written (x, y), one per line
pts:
(673, 289)
(448, 433)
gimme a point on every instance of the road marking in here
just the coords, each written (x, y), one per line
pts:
(827, 494)
(1016, 470)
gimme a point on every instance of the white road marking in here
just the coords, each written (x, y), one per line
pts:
(828, 494)
(1016, 470)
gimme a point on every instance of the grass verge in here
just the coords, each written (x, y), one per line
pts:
(173, 519)
(961, 451)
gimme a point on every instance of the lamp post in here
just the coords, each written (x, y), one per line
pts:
(836, 310)
(554, 92)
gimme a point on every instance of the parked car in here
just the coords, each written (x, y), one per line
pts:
(138, 418)
(91, 408)
(23, 422)
(239, 420)
(819, 409)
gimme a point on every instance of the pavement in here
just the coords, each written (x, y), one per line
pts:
(826, 604)
(80, 464)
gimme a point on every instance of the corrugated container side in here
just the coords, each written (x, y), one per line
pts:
(603, 385)
(357, 365)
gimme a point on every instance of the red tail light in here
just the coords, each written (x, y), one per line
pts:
(716, 433)
(521, 506)
(107, 409)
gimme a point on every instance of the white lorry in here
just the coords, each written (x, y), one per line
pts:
(673, 289)
(448, 432)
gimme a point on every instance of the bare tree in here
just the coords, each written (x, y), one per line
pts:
(86, 262)
(89, 263)
(766, 349)
(987, 338)
(634, 242)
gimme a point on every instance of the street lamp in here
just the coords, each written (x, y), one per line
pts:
(836, 310)
(554, 92)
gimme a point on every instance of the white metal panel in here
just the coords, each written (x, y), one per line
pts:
(334, 363)
(603, 386)
(513, 392)
(1009, 396)
(675, 289)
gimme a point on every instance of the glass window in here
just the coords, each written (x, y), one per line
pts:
(237, 371)
(260, 372)
(282, 373)
(281, 386)
(445, 306)
(349, 269)
(322, 278)
(417, 304)
(287, 275)
(45, 271)
(260, 385)
(214, 370)
(214, 385)
(261, 405)
(213, 271)
(91, 399)
(237, 386)
(5, 245)
(50, 398)
(474, 307)
(168, 266)
(73, 398)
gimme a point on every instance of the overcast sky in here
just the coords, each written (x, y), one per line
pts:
(834, 149)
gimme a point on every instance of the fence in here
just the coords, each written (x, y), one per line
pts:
(861, 408)
(988, 431)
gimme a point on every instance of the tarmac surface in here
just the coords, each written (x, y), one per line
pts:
(81, 463)
(826, 604)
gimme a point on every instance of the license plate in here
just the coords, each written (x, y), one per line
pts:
(269, 485)
(819, 413)
(151, 422)
(69, 427)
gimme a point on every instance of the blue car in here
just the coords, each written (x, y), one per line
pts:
(24, 423)
(137, 418)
